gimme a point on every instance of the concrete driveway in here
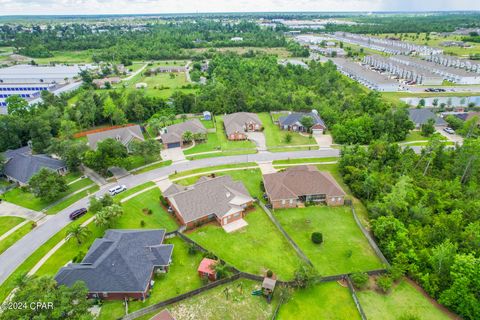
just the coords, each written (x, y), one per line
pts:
(323, 140)
(259, 139)
(266, 167)
(451, 137)
(8, 209)
(174, 154)
(163, 183)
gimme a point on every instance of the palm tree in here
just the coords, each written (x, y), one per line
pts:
(77, 232)
(187, 136)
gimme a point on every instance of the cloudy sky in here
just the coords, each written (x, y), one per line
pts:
(21, 7)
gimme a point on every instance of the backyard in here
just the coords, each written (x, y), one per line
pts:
(345, 249)
(256, 248)
(327, 300)
(402, 301)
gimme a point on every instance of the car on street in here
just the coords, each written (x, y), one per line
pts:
(77, 213)
(117, 189)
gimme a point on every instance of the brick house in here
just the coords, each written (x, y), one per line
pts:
(301, 184)
(210, 199)
(292, 122)
(172, 136)
(121, 265)
(237, 125)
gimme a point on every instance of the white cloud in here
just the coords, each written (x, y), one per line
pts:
(188, 6)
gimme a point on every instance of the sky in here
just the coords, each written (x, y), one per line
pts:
(59, 7)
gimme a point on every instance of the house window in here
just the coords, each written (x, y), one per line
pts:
(333, 199)
(291, 201)
(339, 199)
(105, 294)
(283, 202)
(225, 220)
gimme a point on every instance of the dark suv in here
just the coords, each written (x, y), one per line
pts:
(78, 213)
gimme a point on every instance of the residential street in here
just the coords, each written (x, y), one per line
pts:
(22, 249)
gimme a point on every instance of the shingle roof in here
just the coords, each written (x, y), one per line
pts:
(295, 117)
(22, 164)
(300, 181)
(174, 132)
(218, 196)
(124, 135)
(421, 116)
(122, 261)
(235, 122)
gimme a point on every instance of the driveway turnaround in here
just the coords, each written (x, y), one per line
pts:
(259, 139)
(174, 154)
(8, 209)
(14, 256)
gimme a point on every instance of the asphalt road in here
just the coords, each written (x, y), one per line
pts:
(14, 256)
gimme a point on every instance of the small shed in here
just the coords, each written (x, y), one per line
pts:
(206, 269)
(207, 115)
(268, 285)
(163, 315)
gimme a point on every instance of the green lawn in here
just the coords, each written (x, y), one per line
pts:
(133, 190)
(133, 209)
(25, 199)
(251, 178)
(211, 144)
(226, 144)
(256, 248)
(214, 305)
(344, 250)
(276, 137)
(161, 85)
(72, 176)
(14, 237)
(223, 154)
(71, 200)
(7, 223)
(80, 56)
(153, 166)
(80, 184)
(404, 299)
(324, 301)
(181, 277)
(208, 169)
(301, 161)
(415, 135)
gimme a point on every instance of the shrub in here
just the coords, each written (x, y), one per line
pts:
(384, 283)
(359, 279)
(317, 237)
(163, 201)
(288, 137)
(142, 223)
(192, 249)
(269, 273)
(210, 255)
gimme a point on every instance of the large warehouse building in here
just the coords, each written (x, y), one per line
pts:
(29, 81)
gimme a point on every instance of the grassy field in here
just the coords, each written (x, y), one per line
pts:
(181, 277)
(403, 300)
(214, 304)
(276, 137)
(81, 56)
(14, 237)
(325, 301)
(256, 248)
(7, 223)
(280, 52)
(344, 250)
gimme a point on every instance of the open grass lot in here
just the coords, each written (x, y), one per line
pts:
(324, 301)
(214, 305)
(80, 56)
(181, 277)
(161, 85)
(276, 137)
(403, 300)
(133, 213)
(280, 52)
(344, 250)
(9, 284)
(255, 248)
(14, 237)
(7, 223)
(251, 178)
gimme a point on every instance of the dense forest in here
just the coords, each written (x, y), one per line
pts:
(425, 213)
(152, 41)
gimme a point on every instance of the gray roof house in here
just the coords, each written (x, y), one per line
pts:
(172, 135)
(292, 122)
(421, 116)
(218, 198)
(125, 135)
(21, 164)
(120, 265)
(237, 124)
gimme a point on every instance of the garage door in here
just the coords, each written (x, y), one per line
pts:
(317, 131)
(173, 145)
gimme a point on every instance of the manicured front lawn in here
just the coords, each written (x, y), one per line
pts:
(133, 213)
(276, 137)
(24, 199)
(302, 161)
(7, 223)
(226, 144)
(133, 190)
(80, 184)
(404, 299)
(71, 200)
(211, 144)
(256, 248)
(14, 237)
(213, 168)
(322, 301)
(344, 250)
(181, 277)
(214, 304)
(153, 166)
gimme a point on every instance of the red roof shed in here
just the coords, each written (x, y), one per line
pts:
(206, 269)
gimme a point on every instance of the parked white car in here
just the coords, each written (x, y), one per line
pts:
(449, 130)
(117, 189)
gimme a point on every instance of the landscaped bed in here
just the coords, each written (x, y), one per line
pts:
(403, 300)
(344, 249)
(327, 300)
(256, 248)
